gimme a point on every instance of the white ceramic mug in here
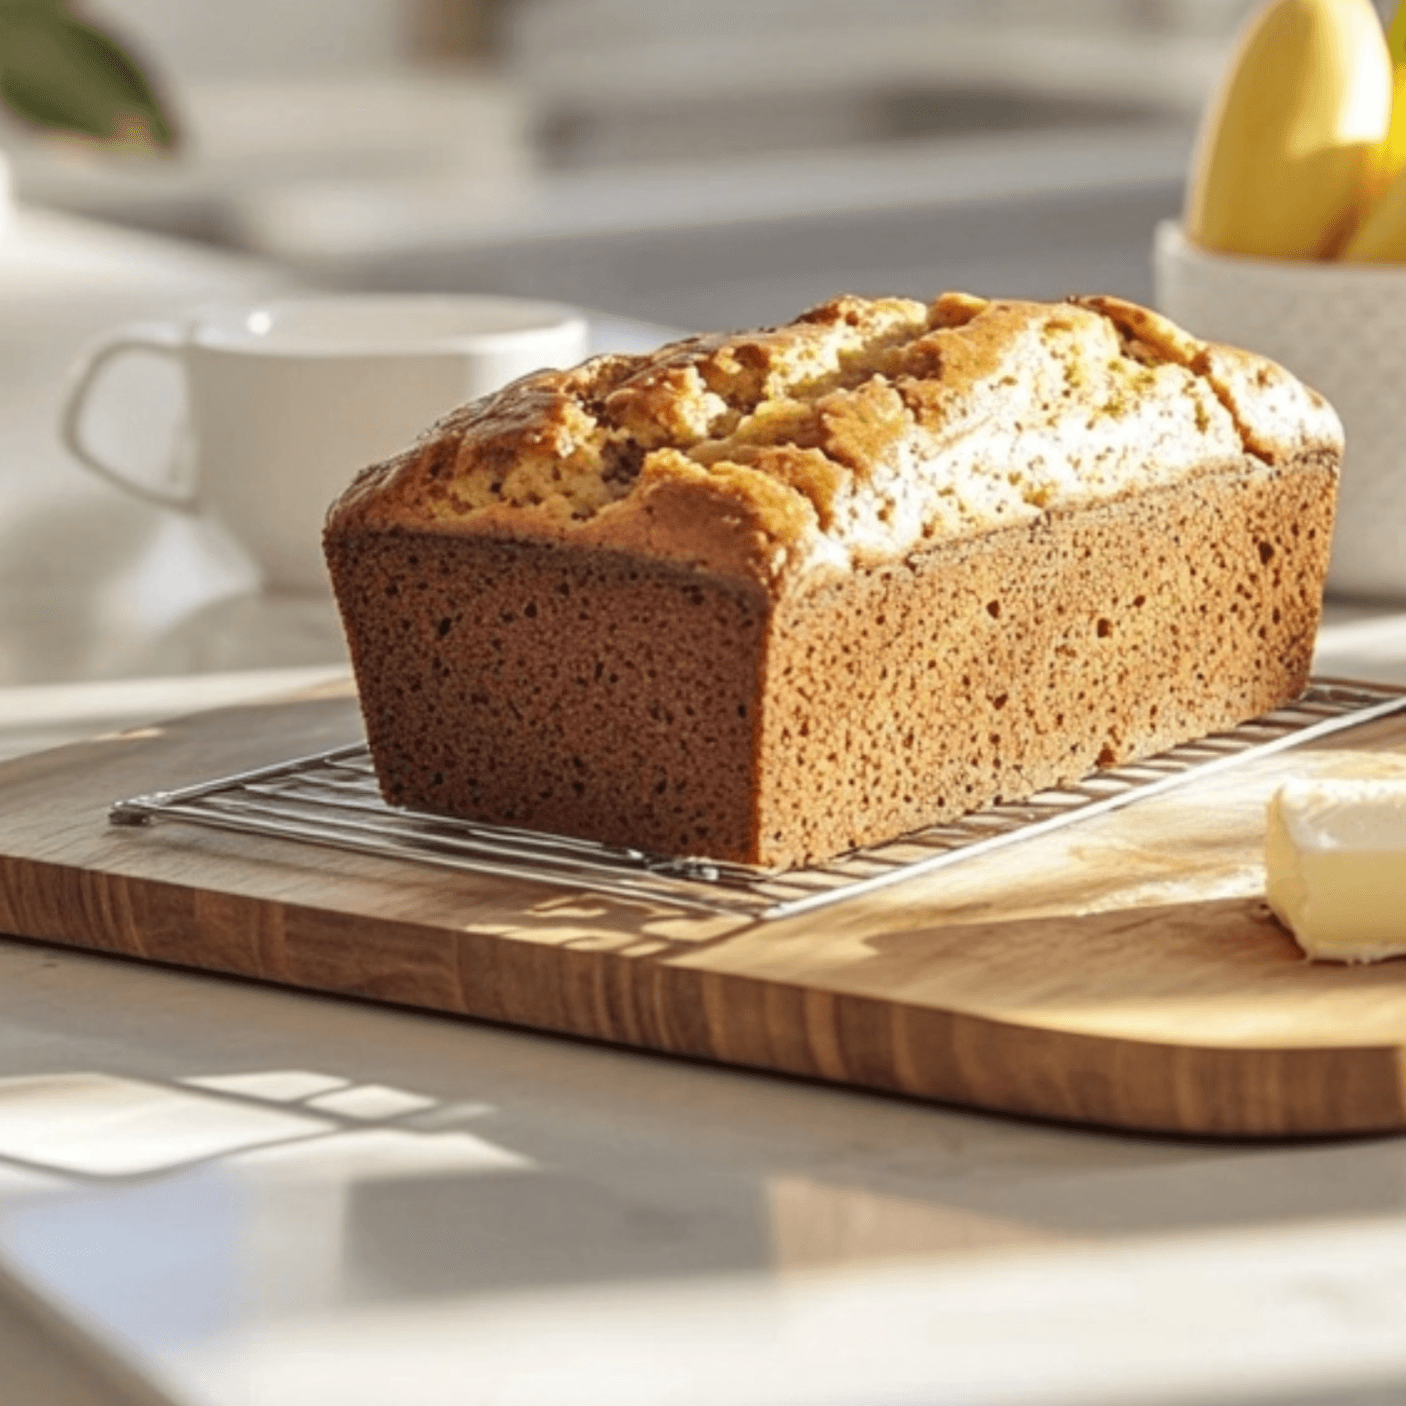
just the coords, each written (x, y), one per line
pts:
(288, 399)
(1342, 329)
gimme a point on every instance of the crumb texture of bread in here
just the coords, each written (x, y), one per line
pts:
(770, 596)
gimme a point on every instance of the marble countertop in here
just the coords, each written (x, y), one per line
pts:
(216, 1193)
(251, 1195)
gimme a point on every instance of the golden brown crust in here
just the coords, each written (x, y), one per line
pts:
(864, 430)
(1277, 415)
(768, 596)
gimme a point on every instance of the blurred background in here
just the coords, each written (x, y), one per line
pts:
(691, 162)
(666, 164)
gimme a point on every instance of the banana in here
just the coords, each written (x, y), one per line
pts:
(1391, 155)
(1286, 156)
(1381, 237)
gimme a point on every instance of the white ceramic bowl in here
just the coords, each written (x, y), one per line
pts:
(1342, 329)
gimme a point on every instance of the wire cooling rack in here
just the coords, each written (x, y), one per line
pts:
(332, 799)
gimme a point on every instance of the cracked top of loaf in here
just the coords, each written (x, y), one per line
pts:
(864, 431)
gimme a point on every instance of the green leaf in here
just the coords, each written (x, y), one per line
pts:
(59, 73)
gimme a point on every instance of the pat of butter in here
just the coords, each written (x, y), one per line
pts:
(1335, 863)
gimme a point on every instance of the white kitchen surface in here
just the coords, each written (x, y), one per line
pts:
(257, 1197)
(261, 1196)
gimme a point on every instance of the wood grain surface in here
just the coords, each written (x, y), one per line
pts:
(1124, 972)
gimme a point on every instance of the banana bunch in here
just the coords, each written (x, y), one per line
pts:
(1303, 151)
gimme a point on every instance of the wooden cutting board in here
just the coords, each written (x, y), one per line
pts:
(1123, 972)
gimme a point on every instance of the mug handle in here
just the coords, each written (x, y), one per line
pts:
(148, 338)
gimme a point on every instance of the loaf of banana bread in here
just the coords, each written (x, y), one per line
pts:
(770, 596)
